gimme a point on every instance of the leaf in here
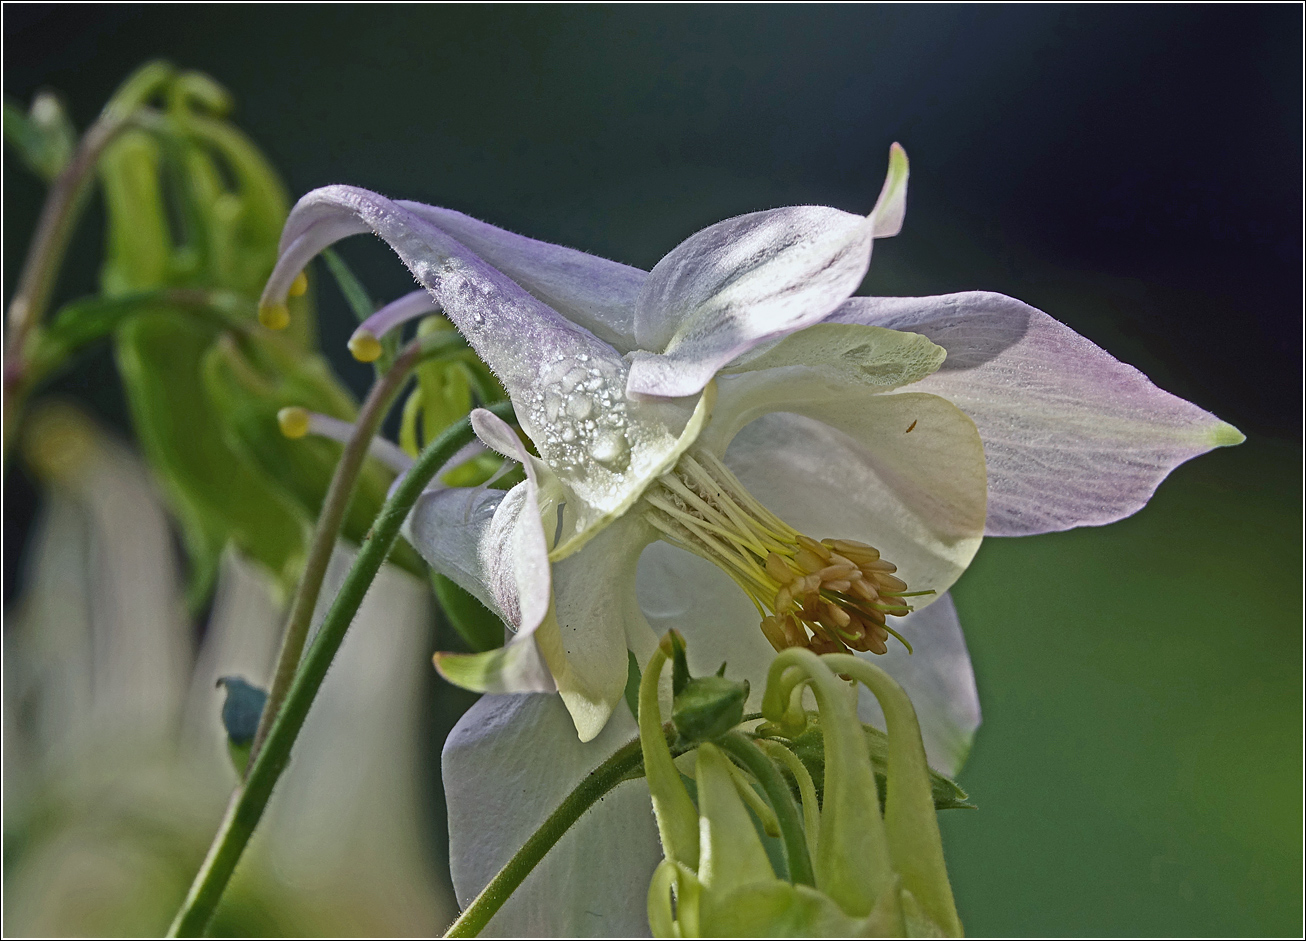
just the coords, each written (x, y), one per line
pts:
(216, 495)
(248, 384)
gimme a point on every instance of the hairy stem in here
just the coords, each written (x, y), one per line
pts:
(334, 506)
(251, 796)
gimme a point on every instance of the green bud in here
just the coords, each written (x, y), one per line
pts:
(708, 707)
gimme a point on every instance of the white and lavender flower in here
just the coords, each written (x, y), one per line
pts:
(737, 402)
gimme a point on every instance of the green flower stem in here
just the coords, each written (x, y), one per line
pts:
(742, 749)
(625, 763)
(251, 796)
(334, 506)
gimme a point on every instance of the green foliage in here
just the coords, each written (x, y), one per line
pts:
(193, 215)
(216, 495)
(810, 749)
(43, 137)
(480, 628)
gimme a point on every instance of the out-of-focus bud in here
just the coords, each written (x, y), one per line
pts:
(241, 712)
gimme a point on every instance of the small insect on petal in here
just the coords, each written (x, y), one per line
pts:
(910, 428)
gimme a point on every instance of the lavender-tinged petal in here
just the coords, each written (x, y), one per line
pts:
(596, 293)
(567, 386)
(1072, 435)
(295, 253)
(508, 764)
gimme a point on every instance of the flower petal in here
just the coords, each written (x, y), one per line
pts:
(938, 678)
(739, 283)
(567, 385)
(596, 293)
(1073, 436)
(749, 279)
(903, 472)
(595, 618)
(507, 765)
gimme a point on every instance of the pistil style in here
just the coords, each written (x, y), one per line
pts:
(829, 596)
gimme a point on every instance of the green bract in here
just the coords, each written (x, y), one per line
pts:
(875, 874)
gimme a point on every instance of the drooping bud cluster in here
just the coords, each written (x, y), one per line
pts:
(829, 596)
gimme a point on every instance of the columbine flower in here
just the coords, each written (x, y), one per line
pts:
(738, 403)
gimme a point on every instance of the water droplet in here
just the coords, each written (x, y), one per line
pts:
(609, 447)
(552, 406)
(569, 434)
(580, 406)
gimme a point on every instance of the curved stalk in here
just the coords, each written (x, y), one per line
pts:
(334, 506)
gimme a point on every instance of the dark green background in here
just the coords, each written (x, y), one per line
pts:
(1134, 171)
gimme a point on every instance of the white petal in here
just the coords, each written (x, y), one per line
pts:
(507, 765)
(596, 293)
(739, 283)
(447, 526)
(678, 590)
(903, 472)
(750, 279)
(584, 642)
(1072, 435)
(939, 679)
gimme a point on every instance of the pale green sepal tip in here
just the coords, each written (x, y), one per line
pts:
(1225, 435)
(493, 671)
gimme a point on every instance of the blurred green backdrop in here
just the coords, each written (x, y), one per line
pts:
(1133, 171)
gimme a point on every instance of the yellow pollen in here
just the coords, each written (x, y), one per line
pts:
(293, 421)
(274, 316)
(298, 287)
(830, 595)
(365, 346)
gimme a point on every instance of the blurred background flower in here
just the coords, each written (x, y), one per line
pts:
(116, 765)
(1135, 171)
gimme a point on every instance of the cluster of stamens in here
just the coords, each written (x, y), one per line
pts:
(828, 596)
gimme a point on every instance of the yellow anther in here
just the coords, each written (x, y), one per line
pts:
(298, 287)
(274, 316)
(365, 346)
(293, 421)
